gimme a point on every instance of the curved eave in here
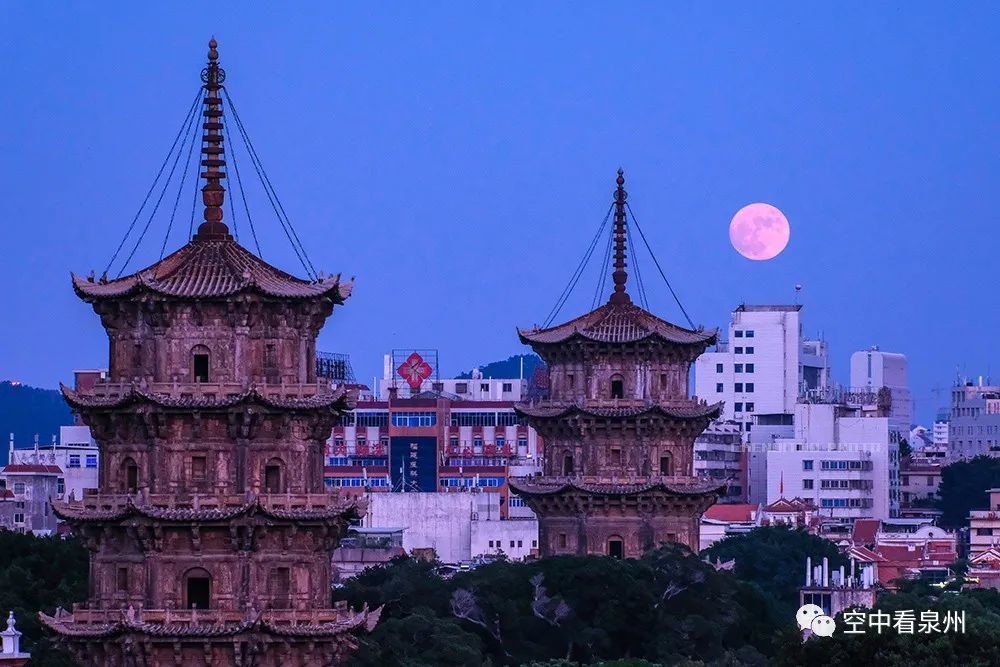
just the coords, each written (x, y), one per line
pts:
(534, 337)
(533, 488)
(341, 400)
(697, 412)
(363, 620)
(75, 514)
(128, 286)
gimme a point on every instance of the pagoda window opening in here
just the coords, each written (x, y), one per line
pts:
(137, 356)
(666, 465)
(197, 589)
(278, 582)
(616, 547)
(617, 386)
(123, 580)
(199, 363)
(274, 478)
(567, 466)
(130, 475)
(616, 456)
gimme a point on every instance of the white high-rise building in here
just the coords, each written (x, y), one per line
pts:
(873, 369)
(841, 457)
(765, 365)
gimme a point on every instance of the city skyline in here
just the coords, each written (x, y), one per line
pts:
(490, 185)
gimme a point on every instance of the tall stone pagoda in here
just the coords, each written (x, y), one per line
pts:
(619, 427)
(211, 533)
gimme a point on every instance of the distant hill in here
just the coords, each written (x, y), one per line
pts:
(25, 411)
(509, 368)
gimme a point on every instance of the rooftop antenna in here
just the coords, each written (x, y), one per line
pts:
(798, 288)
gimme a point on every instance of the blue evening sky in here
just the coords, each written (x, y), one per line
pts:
(458, 157)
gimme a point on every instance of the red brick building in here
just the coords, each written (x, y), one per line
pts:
(619, 427)
(211, 531)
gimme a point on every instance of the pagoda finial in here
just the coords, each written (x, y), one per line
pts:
(213, 195)
(619, 276)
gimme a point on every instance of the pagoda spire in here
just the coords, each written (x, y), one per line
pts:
(619, 276)
(212, 153)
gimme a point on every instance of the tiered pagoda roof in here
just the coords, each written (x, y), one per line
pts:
(92, 512)
(212, 267)
(111, 623)
(687, 410)
(340, 399)
(619, 321)
(678, 486)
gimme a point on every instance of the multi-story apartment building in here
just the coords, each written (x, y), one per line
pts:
(719, 454)
(29, 488)
(842, 457)
(76, 455)
(434, 441)
(873, 369)
(764, 366)
(474, 388)
(984, 526)
(974, 424)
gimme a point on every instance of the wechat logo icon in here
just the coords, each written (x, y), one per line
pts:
(811, 617)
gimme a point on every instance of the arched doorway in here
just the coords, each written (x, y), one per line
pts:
(197, 589)
(617, 386)
(274, 476)
(129, 475)
(567, 464)
(199, 363)
(616, 547)
(666, 465)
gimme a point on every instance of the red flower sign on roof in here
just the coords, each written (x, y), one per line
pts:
(414, 370)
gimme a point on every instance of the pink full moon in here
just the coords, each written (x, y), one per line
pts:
(759, 231)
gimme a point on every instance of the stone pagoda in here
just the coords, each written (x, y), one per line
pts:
(211, 533)
(619, 427)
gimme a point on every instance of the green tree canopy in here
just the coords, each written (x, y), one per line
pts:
(963, 488)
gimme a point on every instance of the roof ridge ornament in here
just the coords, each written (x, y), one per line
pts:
(619, 276)
(213, 194)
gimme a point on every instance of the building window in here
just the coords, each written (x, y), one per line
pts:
(617, 386)
(749, 387)
(519, 544)
(807, 464)
(616, 547)
(738, 350)
(273, 477)
(749, 333)
(278, 585)
(130, 475)
(60, 486)
(737, 407)
(807, 484)
(738, 386)
(91, 460)
(199, 363)
(749, 407)
(749, 368)
(484, 386)
(414, 418)
(507, 387)
(567, 464)
(461, 387)
(123, 579)
(749, 425)
(738, 333)
(718, 387)
(663, 380)
(984, 531)
(198, 467)
(522, 442)
(570, 380)
(270, 358)
(19, 518)
(197, 589)
(738, 368)
(562, 540)
(749, 350)
(74, 460)
(666, 465)
(616, 456)
(718, 368)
